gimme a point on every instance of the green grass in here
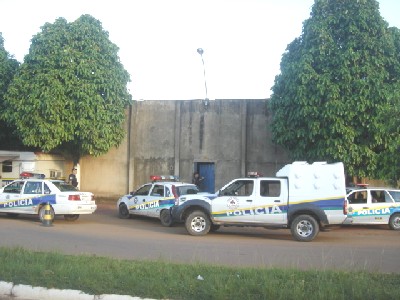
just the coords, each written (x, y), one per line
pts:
(163, 280)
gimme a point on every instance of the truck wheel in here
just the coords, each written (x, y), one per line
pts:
(166, 218)
(123, 212)
(304, 228)
(71, 218)
(197, 223)
(394, 222)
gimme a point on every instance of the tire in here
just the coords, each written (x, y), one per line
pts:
(304, 228)
(166, 218)
(71, 218)
(42, 212)
(123, 212)
(197, 223)
(394, 222)
(214, 227)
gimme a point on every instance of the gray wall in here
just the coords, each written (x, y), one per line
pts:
(168, 137)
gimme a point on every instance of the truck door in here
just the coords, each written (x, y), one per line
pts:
(235, 202)
(270, 205)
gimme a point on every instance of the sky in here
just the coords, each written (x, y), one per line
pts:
(242, 40)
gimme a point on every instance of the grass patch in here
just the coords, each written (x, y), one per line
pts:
(163, 280)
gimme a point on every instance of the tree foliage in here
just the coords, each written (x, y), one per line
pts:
(338, 85)
(71, 90)
(8, 68)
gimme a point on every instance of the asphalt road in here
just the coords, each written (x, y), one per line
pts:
(370, 248)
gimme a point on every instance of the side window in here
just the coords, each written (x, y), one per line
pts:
(47, 190)
(6, 166)
(269, 188)
(14, 188)
(143, 191)
(158, 190)
(358, 197)
(33, 188)
(239, 188)
(379, 196)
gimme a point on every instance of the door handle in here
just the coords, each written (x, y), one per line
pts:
(277, 200)
(249, 200)
(365, 207)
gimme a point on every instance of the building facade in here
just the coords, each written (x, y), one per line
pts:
(222, 139)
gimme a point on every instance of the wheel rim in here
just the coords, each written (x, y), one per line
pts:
(198, 224)
(396, 222)
(304, 228)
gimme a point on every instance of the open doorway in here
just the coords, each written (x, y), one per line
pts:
(207, 171)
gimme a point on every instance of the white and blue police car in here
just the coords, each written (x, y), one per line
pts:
(373, 205)
(30, 196)
(155, 199)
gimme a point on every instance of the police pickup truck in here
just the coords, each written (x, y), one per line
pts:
(303, 197)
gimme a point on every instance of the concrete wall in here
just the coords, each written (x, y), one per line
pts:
(168, 137)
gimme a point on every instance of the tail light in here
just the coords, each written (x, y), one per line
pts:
(74, 198)
(175, 193)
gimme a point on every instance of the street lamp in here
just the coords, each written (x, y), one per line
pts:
(201, 51)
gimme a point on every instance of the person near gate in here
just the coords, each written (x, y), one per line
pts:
(198, 180)
(72, 178)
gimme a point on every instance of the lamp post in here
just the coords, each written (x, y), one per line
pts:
(201, 51)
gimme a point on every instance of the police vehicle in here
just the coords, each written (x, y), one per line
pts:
(154, 199)
(29, 196)
(373, 205)
(303, 197)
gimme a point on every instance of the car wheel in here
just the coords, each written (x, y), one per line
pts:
(394, 222)
(123, 211)
(166, 218)
(197, 223)
(71, 217)
(42, 212)
(304, 228)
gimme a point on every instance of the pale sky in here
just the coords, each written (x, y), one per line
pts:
(243, 40)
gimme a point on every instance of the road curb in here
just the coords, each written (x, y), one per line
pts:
(26, 292)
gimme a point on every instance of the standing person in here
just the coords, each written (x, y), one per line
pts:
(197, 180)
(72, 178)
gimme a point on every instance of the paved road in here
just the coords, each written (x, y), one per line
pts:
(373, 248)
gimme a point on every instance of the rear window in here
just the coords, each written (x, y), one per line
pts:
(187, 190)
(395, 195)
(64, 187)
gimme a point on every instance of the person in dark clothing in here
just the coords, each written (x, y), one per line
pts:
(72, 178)
(197, 180)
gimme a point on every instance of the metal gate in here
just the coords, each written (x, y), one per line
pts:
(207, 171)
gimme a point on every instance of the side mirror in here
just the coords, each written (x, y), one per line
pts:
(132, 193)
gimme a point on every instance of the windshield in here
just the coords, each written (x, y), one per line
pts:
(64, 187)
(187, 190)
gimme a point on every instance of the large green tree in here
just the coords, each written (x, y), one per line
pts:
(337, 87)
(70, 92)
(8, 67)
